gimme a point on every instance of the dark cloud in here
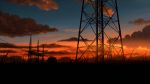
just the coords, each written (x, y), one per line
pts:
(140, 21)
(138, 38)
(13, 26)
(7, 45)
(58, 53)
(42, 4)
(73, 39)
(8, 51)
(54, 46)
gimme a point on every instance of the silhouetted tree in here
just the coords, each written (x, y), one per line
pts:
(52, 60)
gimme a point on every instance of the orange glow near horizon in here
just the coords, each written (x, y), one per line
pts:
(129, 52)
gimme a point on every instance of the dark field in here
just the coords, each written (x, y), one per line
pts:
(68, 61)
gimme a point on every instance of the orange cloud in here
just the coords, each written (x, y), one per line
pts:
(42, 4)
(108, 11)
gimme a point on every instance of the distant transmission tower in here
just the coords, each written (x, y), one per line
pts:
(100, 22)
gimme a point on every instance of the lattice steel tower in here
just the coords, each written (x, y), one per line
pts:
(100, 23)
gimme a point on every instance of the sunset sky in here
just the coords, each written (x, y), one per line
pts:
(64, 15)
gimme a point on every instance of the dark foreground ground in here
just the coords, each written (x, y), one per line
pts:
(68, 61)
(49, 70)
(127, 62)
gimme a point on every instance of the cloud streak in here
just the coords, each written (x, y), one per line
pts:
(7, 45)
(46, 5)
(140, 21)
(14, 26)
(54, 46)
(58, 52)
(8, 51)
(72, 39)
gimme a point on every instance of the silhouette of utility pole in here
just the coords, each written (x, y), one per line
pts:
(38, 50)
(43, 53)
(30, 48)
(100, 22)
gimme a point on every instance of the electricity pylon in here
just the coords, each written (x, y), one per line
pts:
(100, 23)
